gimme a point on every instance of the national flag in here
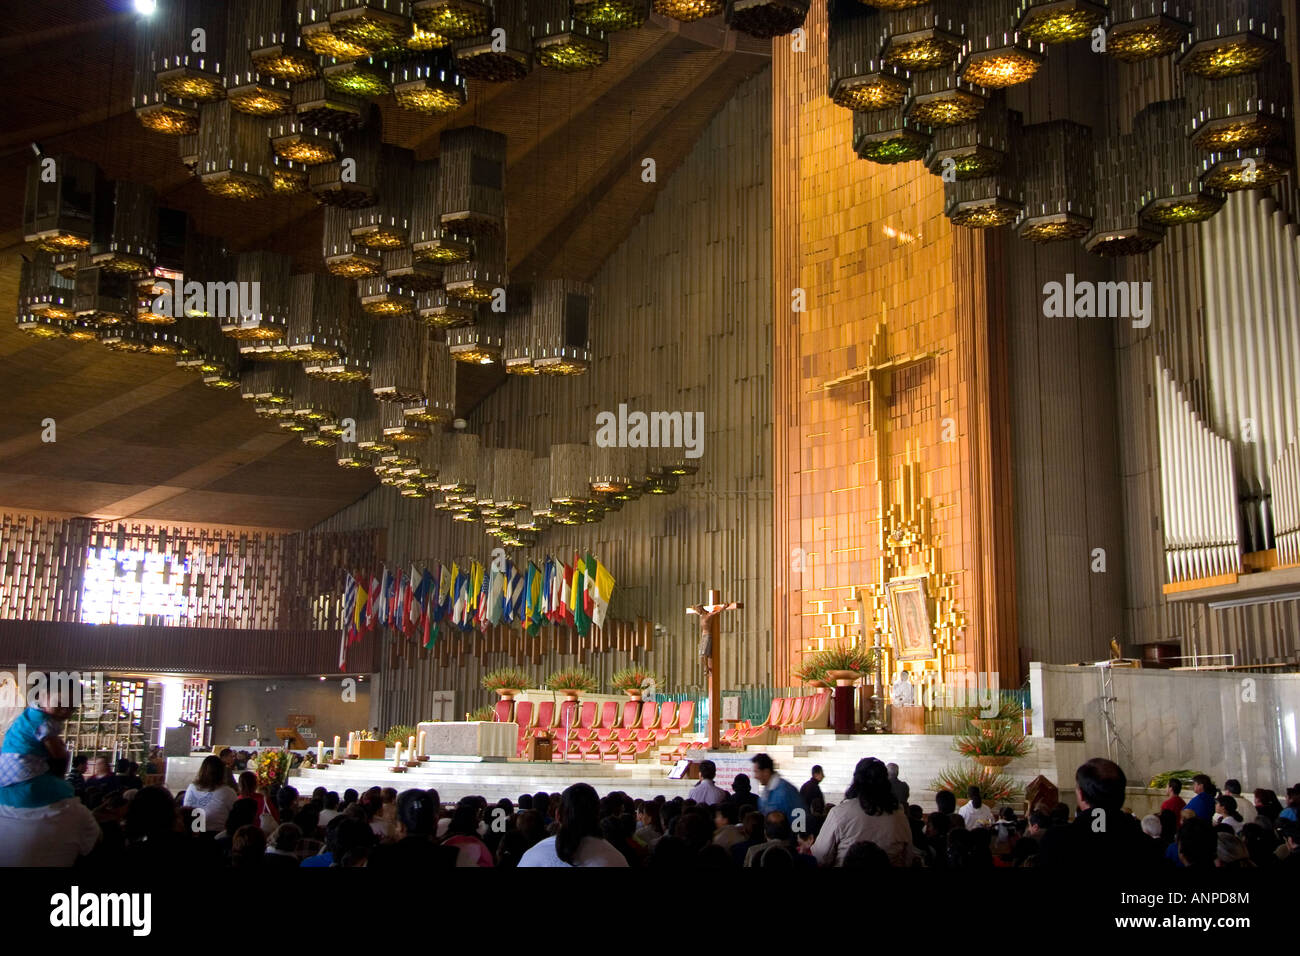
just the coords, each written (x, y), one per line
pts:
(459, 599)
(348, 615)
(514, 613)
(548, 584)
(358, 611)
(372, 604)
(563, 613)
(395, 601)
(601, 591)
(411, 605)
(495, 594)
(534, 613)
(423, 600)
(578, 595)
(381, 604)
(481, 601)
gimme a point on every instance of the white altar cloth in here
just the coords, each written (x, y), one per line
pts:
(477, 738)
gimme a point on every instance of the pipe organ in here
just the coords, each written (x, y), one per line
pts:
(1199, 486)
(1284, 477)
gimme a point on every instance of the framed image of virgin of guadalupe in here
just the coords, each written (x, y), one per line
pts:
(909, 618)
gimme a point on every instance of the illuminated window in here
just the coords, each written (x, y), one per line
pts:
(133, 587)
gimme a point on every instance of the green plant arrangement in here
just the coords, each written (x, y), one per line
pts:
(635, 679)
(999, 741)
(573, 678)
(505, 678)
(811, 673)
(487, 712)
(859, 659)
(995, 786)
(1009, 709)
(1161, 780)
(398, 732)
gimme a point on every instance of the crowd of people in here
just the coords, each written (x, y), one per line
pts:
(57, 810)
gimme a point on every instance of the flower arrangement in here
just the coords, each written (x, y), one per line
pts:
(634, 678)
(999, 741)
(995, 786)
(811, 672)
(399, 732)
(487, 712)
(1161, 780)
(860, 659)
(272, 767)
(573, 678)
(1009, 709)
(505, 678)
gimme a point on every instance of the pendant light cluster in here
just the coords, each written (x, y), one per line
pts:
(924, 81)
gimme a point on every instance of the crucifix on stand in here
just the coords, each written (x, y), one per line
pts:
(708, 614)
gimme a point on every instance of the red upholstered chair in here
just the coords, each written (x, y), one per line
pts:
(627, 726)
(501, 712)
(626, 750)
(545, 717)
(787, 707)
(567, 714)
(667, 714)
(524, 717)
(773, 712)
(649, 717)
(818, 711)
(686, 717)
(608, 748)
(605, 727)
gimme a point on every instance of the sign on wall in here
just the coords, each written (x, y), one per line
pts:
(1068, 731)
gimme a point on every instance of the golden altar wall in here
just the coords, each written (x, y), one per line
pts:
(890, 417)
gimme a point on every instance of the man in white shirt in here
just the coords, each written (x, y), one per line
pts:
(1245, 805)
(706, 792)
(53, 835)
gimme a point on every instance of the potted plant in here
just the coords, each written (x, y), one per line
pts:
(484, 713)
(272, 767)
(572, 682)
(506, 681)
(845, 665)
(399, 733)
(995, 786)
(1010, 715)
(992, 747)
(812, 675)
(633, 680)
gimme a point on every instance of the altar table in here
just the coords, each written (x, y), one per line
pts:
(475, 738)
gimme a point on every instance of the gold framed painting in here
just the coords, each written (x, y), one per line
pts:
(910, 620)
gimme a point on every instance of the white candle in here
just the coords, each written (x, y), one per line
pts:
(351, 750)
(320, 752)
(421, 750)
(410, 747)
(337, 755)
(397, 753)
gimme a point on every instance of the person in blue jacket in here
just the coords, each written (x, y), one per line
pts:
(776, 794)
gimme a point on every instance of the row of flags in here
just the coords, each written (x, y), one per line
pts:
(420, 603)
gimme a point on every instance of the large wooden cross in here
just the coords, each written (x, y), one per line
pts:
(708, 614)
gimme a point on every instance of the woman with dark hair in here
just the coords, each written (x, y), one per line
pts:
(462, 833)
(417, 818)
(578, 842)
(1267, 805)
(1226, 813)
(975, 813)
(871, 813)
(649, 826)
(248, 790)
(210, 794)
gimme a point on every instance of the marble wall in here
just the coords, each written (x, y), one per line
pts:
(1227, 724)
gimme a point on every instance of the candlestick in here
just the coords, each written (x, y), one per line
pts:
(337, 755)
(420, 752)
(410, 747)
(397, 753)
(320, 752)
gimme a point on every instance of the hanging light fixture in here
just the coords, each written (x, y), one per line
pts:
(342, 257)
(247, 90)
(612, 15)
(1057, 161)
(477, 344)
(192, 42)
(275, 46)
(357, 187)
(940, 98)
(440, 311)
(608, 471)
(351, 363)
(386, 224)
(1173, 190)
(458, 471)
(971, 150)
(431, 85)
(318, 317)
(888, 137)
(59, 206)
(47, 294)
(266, 313)
(318, 35)
(1257, 168)
(569, 480)
(1060, 21)
(766, 18)
(996, 55)
(43, 327)
(1239, 112)
(562, 42)
(400, 431)
(410, 274)
(517, 353)
(688, 11)
(126, 234)
(984, 203)
(371, 424)
(431, 241)
(922, 38)
(504, 55)
(380, 296)
(234, 161)
(511, 479)
(320, 106)
(438, 406)
(293, 140)
(471, 180)
(101, 296)
(1118, 228)
(859, 79)
(483, 279)
(1146, 29)
(1231, 37)
(287, 177)
(376, 25)
(561, 323)
(454, 19)
(156, 110)
(367, 77)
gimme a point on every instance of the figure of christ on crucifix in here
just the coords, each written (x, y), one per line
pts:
(708, 615)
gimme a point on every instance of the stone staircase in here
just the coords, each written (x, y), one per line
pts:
(919, 758)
